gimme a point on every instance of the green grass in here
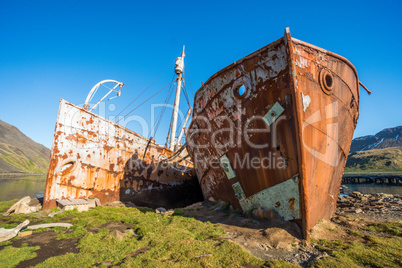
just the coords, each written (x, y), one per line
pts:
(11, 256)
(374, 252)
(377, 160)
(179, 241)
(355, 233)
(393, 228)
(161, 241)
(20, 161)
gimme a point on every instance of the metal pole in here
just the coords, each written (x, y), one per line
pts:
(176, 109)
(184, 125)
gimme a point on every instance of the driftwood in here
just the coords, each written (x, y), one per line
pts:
(7, 234)
(49, 225)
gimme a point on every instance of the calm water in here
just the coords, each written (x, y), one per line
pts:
(372, 188)
(18, 187)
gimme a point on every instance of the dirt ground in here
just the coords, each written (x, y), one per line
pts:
(267, 236)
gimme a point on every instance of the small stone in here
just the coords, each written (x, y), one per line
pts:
(170, 212)
(130, 204)
(356, 194)
(342, 199)
(130, 232)
(115, 204)
(160, 210)
(119, 235)
(24, 234)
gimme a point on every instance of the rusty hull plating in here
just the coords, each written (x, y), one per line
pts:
(307, 100)
(94, 157)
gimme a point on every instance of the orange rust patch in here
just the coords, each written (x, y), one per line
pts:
(107, 148)
(90, 121)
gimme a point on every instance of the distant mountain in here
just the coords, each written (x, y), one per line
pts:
(20, 154)
(389, 137)
(377, 160)
(376, 153)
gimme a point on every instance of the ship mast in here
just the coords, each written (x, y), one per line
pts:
(179, 70)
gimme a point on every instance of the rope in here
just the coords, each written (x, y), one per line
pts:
(146, 89)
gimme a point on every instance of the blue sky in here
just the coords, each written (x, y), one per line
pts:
(60, 49)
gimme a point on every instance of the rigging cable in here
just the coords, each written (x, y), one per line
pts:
(144, 102)
(145, 89)
(159, 119)
(191, 87)
(185, 93)
(180, 149)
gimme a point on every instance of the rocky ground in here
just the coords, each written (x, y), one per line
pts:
(268, 236)
(378, 207)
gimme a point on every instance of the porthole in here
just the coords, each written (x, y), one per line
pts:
(66, 167)
(326, 81)
(240, 91)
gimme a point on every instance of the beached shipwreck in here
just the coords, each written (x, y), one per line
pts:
(93, 157)
(271, 130)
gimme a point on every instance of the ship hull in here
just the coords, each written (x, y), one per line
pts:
(283, 142)
(93, 157)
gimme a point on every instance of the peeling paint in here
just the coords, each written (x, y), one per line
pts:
(302, 125)
(94, 157)
(273, 113)
(284, 198)
(306, 101)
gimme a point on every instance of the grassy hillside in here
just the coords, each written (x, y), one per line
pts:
(20, 154)
(378, 160)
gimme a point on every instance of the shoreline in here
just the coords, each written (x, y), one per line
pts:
(5, 176)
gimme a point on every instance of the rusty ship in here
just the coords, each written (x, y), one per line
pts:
(273, 130)
(93, 157)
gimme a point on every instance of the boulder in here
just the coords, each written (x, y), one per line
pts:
(280, 238)
(25, 205)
